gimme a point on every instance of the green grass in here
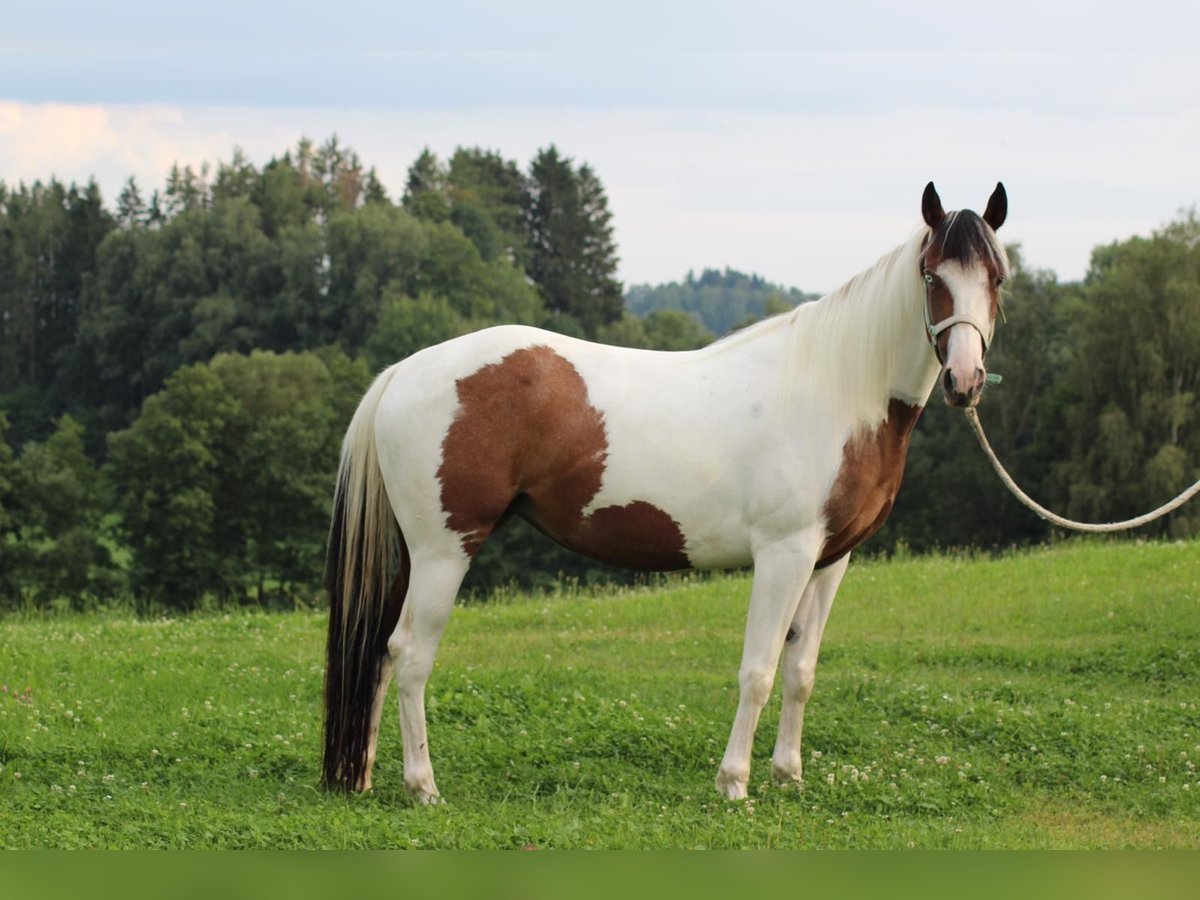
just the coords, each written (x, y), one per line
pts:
(1043, 699)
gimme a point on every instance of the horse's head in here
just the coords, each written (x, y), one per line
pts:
(963, 265)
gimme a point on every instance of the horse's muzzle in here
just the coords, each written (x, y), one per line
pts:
(961, 393)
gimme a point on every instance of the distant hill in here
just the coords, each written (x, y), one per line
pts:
(722, 301)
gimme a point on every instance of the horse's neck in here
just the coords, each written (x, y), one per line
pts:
(864, 343)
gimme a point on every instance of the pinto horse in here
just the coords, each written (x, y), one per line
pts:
(781, 446)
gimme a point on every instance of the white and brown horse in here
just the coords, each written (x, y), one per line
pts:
(781, 446)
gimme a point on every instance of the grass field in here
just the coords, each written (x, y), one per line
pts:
(1043, 699)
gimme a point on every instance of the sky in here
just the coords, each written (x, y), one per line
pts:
(783, 140)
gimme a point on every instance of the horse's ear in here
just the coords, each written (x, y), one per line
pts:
(931, 206)
(997, 208)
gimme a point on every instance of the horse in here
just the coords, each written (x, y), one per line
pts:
(781, 446)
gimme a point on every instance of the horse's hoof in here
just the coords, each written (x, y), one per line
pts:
(731, 787)
(787, 777)
(424, 793)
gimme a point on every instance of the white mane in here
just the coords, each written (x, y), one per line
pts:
(865, 340)
(862, 344)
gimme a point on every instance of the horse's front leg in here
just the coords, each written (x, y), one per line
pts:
(780, 572)
(800, 666)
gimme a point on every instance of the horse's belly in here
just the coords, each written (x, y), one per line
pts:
(637, 535)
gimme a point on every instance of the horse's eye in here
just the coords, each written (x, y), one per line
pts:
(999, 280)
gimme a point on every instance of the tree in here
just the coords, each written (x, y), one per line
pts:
(486, 292)
(202, 282)
(166, 475)
(426, 194)
(486, 192)
(132, 211)
(60, 550)
(48, 239)
(307, 253)
(572, 253)
(721, 300)
(224, 480)
(117, 341)
(283, 196)
(186, 189)
(627, 331)
(279, 453)
(236, 178)
(10, 517)
(409, 324)
(373, 251)
(1130, 393)
(341, 175)
(671, 329)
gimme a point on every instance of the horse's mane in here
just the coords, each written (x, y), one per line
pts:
(854, 336)
(859, 335)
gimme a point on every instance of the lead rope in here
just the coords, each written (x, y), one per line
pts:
(1183, 498)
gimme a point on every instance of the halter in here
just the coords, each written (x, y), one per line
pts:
(932, 329)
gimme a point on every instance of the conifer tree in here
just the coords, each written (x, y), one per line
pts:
(425, 193)
(573, 257)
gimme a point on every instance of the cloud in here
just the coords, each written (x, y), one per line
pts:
(109, 143)
(45, 137)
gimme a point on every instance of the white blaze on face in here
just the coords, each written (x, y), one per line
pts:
(972, 298)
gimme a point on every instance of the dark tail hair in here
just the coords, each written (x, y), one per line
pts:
(366, 550)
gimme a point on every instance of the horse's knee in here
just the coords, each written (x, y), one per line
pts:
(800, 681)
(410, 664)
(755, 683)
(396, 645)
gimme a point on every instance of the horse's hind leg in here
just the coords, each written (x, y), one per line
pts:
(385, 680)
(800, 665)
(432, 588)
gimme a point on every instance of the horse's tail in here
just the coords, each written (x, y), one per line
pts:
(366, 550)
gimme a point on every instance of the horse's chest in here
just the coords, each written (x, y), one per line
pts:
(867, 482)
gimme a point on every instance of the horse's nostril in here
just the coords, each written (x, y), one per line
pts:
(948, 381)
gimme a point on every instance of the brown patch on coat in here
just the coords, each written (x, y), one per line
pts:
(638, 535)
(867, 483)
(941, 306)
(527, 441)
